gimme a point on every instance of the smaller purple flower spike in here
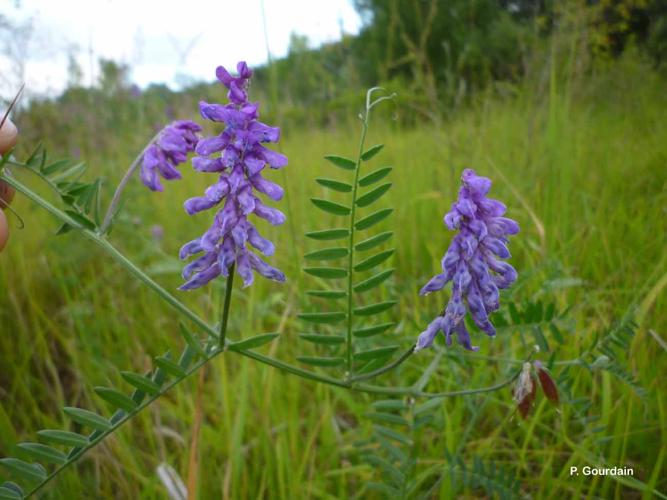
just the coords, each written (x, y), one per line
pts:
(471, 263)
(169, 150)
(236, 157)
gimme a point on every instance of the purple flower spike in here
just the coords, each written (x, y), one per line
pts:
(170, 149)
(236, 156)
(471, 263)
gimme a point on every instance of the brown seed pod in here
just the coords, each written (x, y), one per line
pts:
(547, 383)
(4, 230)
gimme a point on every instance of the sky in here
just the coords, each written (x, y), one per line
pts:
(168, 41)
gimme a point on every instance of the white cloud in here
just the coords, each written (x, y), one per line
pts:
(153, 36)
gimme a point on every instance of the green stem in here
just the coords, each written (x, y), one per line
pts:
(350, 261)
(113, 206)
(111, 250)
(384, 369)
(225, 309)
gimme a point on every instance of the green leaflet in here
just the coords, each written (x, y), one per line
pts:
(43, 452)
(373, 241)
(389, 418)
(329, 234)
(253, 342)
(373, 281)
(392, 434)
(380, 352)
(374, 308)
(331, 207)
(374, 176)
(191, 340)
(327, 272)
(371, 152)
(371, 196)
(24, 470)
(117, 399)
(373, 218)
(323, 339)
(169, 366)
(142, 383)
(9, 493)
(64, 438)
(327, 254)
(324, 317)
(373, 260)
(327, 294)
(341, 162)
(371, 330)
(87, 418)
(390, 405)
(341, 187)
(320, 361)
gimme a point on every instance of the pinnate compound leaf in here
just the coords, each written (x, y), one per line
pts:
(327, 294)
(373, 241)
(373, 281)
(341, 162)
(323, 339)
(374, 308)
(331, 207)
(375, 176)
(87, 418)
(329, 234)
(371, 152)
(373, 218)
(169, 366)
(341, 187)
(320, 361)
(323, 317)
(117, 399)
(371, 330)
(24, 470)
(253, 342)
(65, 438)
(327, 254)
(43, 452)
(327, 272)
(371, 196)
(373, 260)
(142, 383)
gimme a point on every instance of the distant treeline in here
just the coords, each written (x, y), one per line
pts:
(437, 54)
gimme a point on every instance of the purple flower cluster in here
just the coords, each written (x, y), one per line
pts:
(170, 149)
(238, 157)
(471, 263)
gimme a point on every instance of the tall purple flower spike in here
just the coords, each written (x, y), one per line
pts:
(238, 157)
(169, 150)
(471, 263)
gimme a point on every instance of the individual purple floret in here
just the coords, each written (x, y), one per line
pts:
(238, 157)
(471, 263)
(169, 150)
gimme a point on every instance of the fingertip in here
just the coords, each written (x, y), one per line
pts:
(8, 136)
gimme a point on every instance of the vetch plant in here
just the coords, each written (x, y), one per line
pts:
(346, 325)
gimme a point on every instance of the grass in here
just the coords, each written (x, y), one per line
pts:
(584, 173)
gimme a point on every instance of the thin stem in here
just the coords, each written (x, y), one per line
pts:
(350, 260)
(225, 308)
(115, 201)
(110, 249)
(384, 369)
